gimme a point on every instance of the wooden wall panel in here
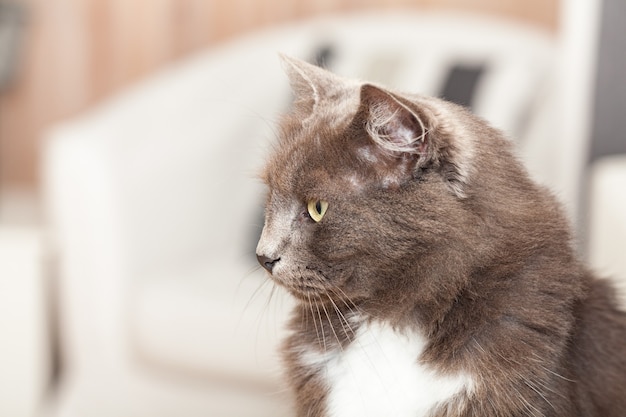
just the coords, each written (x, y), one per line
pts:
(76, 52)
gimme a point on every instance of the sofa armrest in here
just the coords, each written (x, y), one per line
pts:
(24, 361)
(607, 234)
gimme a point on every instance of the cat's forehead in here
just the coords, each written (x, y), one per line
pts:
(336, 111)
(313, 160)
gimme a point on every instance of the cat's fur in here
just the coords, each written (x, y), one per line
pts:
(437, 243)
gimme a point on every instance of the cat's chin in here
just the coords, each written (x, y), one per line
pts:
(312, 289)
(311, 294)
(307, 286)
(307, 293)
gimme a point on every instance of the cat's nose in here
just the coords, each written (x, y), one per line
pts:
(267, 263)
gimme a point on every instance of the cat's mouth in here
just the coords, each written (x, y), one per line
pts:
(306, 285)
(306, 292)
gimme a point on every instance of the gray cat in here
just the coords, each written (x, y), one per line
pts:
(434, 278)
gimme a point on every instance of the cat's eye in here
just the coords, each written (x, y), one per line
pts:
(317, 209)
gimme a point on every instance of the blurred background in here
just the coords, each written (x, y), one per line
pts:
(130, 135)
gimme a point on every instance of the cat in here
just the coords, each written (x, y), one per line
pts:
(433, 278)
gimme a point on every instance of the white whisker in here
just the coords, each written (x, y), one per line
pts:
(313, 316)
(342, 319)
(332, 328)
(319, 314)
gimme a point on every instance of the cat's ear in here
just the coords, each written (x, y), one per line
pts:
(311, 84)
(407, 137)
(398, 135)
(393, 125)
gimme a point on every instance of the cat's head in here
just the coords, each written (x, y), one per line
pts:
(365, 186)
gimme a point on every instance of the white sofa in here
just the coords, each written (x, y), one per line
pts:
(153, 207)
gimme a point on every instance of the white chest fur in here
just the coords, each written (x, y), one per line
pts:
(379, 374)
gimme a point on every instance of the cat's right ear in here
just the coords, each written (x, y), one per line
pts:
(406, 137)
(399, 135)
(392, 124)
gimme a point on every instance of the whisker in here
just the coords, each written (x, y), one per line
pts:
(313, 317)
(330, 323)
(264, 312)
(557, 374)
(304, 320)
(319, 314)
(534, 388)
(342, 317)
(246, 276)
(345, 299)
(527, 406)
(255, 293)
(528, 383)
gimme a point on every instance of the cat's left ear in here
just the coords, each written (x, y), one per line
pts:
(313, 85)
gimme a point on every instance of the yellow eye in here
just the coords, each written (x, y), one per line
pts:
(317, 209)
